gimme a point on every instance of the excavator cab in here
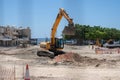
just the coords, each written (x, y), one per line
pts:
(59, 43)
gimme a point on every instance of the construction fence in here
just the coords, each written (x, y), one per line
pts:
(7, 73)
(12, 72)
(107, 51)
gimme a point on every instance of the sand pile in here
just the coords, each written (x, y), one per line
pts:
(68, 57)
(76, 58)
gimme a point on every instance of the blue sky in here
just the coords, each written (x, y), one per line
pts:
(40, 15)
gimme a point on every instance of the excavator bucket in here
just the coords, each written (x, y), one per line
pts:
(69, 30)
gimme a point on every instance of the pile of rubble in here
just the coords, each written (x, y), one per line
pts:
(79, 60)
(68, 57)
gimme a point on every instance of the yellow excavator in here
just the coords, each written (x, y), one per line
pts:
(56, 45)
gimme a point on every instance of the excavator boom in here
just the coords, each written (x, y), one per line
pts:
(61, 13)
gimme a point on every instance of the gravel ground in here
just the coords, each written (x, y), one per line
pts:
(90, 66)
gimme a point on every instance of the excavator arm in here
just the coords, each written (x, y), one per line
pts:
(61, 13)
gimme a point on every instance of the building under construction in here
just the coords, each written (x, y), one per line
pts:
(12, 36)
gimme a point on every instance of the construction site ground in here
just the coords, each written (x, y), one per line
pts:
(90, 66)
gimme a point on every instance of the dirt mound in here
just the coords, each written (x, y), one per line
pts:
(80, 60)
(68, 57)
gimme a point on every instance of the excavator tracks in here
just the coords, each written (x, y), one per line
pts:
(45, 54)
(49, 53)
